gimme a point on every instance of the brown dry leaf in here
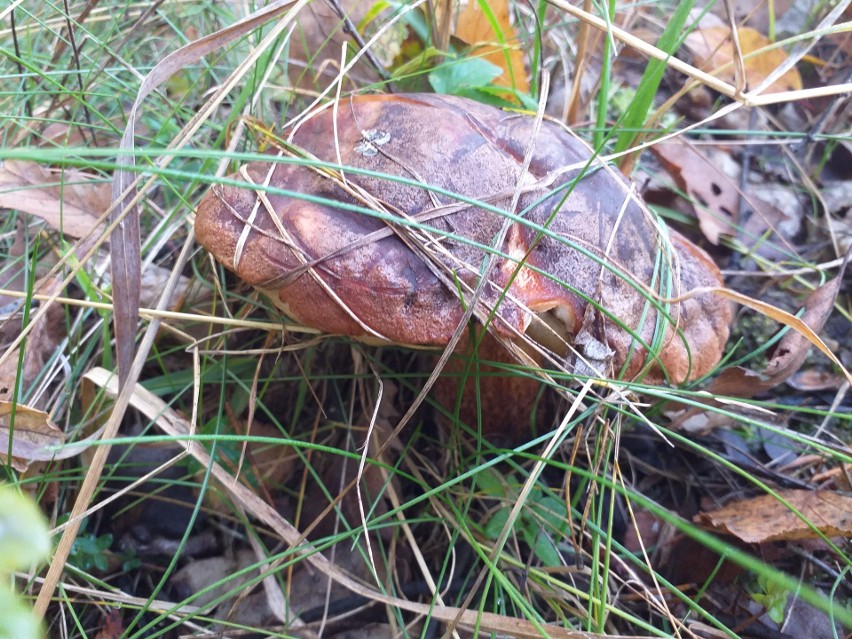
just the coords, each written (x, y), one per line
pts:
(320, 35)
(271, 464)
(69, 200)
(125, 242)
(32, 429)
(814, 381)
(198, 575)
(713, 49)
(32, 435)
(765, 518)
(13, 270)
(46, 331)
(475, 29)
(790, 352)
(698, 175)
(41, 344)
(113, 625)
(774, 222)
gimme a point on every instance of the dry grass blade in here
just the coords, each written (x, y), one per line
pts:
(126, 280)
(793, 347)
(753, 98)
(797, 324)
(173, 424)
(125, 241)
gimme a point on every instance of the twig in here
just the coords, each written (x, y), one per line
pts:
(350, 28)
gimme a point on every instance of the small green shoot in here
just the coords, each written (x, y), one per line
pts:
(772, 596)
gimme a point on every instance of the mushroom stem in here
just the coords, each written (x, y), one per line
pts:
(478, 388)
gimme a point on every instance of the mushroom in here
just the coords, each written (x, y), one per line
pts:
(381, 211)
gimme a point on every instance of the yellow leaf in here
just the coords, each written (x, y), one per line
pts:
(502, 49)
(714, 50)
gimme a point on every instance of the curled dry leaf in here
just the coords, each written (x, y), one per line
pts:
(790, 353)
(31, 436)
(765, 518)
(579, 236)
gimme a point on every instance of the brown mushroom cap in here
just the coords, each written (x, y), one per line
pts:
(348, 271)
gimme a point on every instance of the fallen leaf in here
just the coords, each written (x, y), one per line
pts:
(715, 193)
(813, 381)
(46, 329)
(13, 274)
(320, 35)
(40, 346)
(152, 284)
(69, 200)
(501, 49)
(211, 579)
(113, 626)
(709, 176)
(261, 466)
(33, 430)
(644, 532)
(775, 219)
(714, 51)
(790, 352)
(765, 518)
(31, 438)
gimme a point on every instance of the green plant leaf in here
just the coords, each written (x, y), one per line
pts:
(496, 523)
(545, 551)
(489, 483)
(553, 511)
(670, 40)
(456, 76)
(772, 596)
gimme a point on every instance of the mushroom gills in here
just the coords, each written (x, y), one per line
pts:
(549, 328)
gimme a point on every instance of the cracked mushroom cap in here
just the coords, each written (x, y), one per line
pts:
(363, 248)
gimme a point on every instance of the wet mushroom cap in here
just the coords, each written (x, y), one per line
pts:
(363, 249)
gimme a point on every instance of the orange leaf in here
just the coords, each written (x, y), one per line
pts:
(765, 518)
(714, 50)
(475, 29)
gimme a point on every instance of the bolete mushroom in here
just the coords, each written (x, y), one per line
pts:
(393, 204)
